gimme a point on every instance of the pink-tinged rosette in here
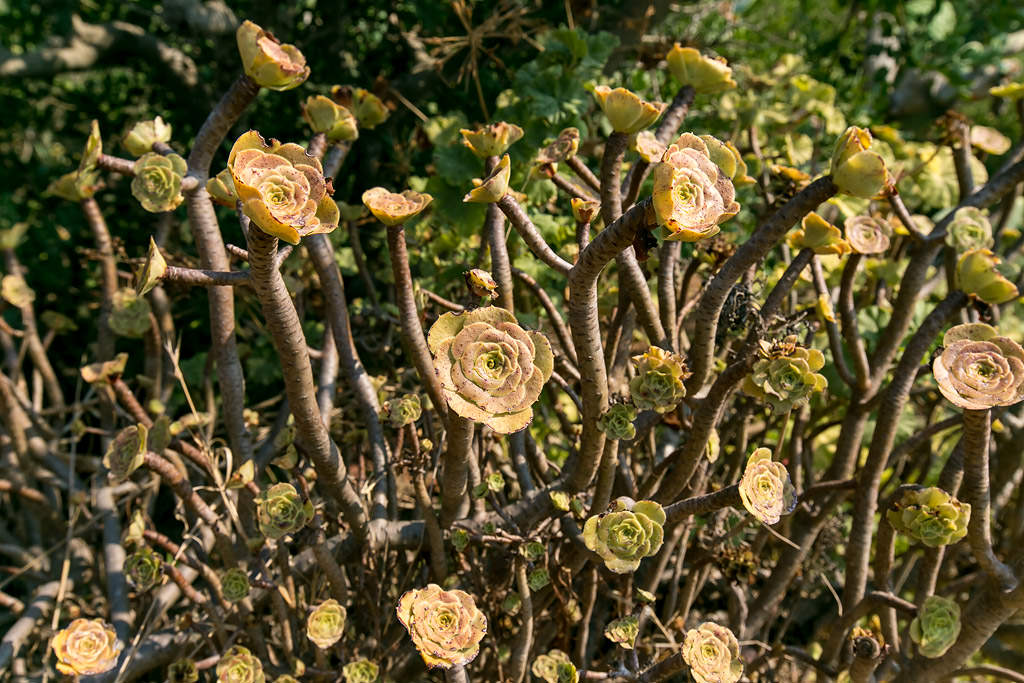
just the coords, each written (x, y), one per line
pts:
(445, 626)
(691, 194)
(978, 369)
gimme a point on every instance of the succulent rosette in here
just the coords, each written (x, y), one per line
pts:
(481, 283)
(765, 489)
(403, 410)
(857, 169)
(221, 189)
(157, 181)
(818, 234)
(979, 369)
(554, 667)
(658, 382)
(785, 375)
(691, 194)
(281, 511)
(492, 188)
(713, 654)
(369, 109)
(623, 631)
(143, 569)
(491, 369)
(969, 229)
(239, 665)
(326, 116)
(129, 314)
(989, 140)
(617, 421)
(936, 626)
(491, 140)
(86, 647)
(182, 671)
(445, 626)
(234, 585)
(978, 275)
(704, 74)
(267, 61)
(627, 111)
(628, 532)
(282, 188)
(867, 234)
(326, 624)
(391, 208)
(647, 146)
(126, 452)
(144, 134)
(728, 158)
(361, 671)
(931, 516)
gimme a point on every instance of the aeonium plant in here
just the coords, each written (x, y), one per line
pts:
(445, 626)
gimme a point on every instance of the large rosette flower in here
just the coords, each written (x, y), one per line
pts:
(713, 654)
(936, 626)
(978, 275)
(658, 383)
(691, 194)
(627, 111)
(703, 74)
(269, 62)
(491, 370)
(281, 511)
(282, 189)
(970, 229)
(786, 374)
(978, 369)
(326, 624)
(445, 626)
(86, 647)
(627, 533)
(931, 516)
(765, 489)
(867, 234)
(856, 169)
(239, 665)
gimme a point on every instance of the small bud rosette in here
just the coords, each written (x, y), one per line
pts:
(627, 111)
(492, 140)
(856, 169)
(84, 181)
(126, 452)
(282, 189)
(361, 671)
(713, 654)
(623, 631)
(491, 189)
(627, 533)
(978, 369)
(818, 234)
(481, 283)
(234, 585)
(403, 410)
(491, 369)
(584, 210)
(704, 74)
(786, 375)
(867, 234)
(369, 110)
(554, 667)
(222, 189)
(326, 624)
(281, 511)
(391, 208)
(86, 647)
(658, 383)
(765, 489)
(445, 626)
(936, 626)
(691, 194)
(970, 229)
(267, 61)
(144, 134)
(326, 116)
(239, 665)
(978, 275)
(617, 421)
(143, 569)
(931, 516)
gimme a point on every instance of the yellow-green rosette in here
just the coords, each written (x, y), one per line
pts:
(234, 585)
(492, 188)
(326, 116)
(627, 111)
(361, 671)
(554, 667)
(143, 135)
(969, 229)
(856, 169)
(84, 181)
(936, 626)
(713, 654)
(765, 489)
(930, 516)
(692, 196)
(326, 624)
(627, 533)
(706, 75)
(978, 275)
(786, 375)
(818, 234)
(391, 208)
(239, 665)
(658, 382)
(281, 511)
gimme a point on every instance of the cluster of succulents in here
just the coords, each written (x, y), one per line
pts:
(627, 533)
(786, 374)
(712, 653)
(930, 515)
(445, 625)
(765, 488)
(491, 369)
(86, 647)
(936, 626)
(658, 382)
(978, 368)
(326, 623)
